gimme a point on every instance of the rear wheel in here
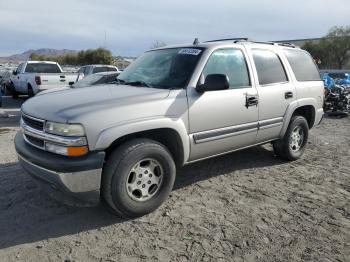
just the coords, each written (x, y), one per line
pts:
(138, 178)
(13, 91)
(292, 145)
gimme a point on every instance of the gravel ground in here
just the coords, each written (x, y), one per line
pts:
(245, 206)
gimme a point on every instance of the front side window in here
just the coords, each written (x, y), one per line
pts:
(163, 68)
(269, 67)
(230, 62)
(302, 65)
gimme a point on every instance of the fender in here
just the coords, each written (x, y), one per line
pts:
(107, 136)
(291, 109)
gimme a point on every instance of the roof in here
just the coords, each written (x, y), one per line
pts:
(224, 42)
(46, 62)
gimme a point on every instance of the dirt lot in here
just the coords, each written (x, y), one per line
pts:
(245, 206)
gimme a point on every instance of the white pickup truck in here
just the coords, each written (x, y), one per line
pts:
(34, 76)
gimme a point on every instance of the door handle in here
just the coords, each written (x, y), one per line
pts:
(251, 100)
(288, 95)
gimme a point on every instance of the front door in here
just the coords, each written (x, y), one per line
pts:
(222, 121)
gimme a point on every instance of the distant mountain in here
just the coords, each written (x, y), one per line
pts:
(42, 51)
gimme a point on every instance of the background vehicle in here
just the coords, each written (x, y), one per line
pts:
(5, 82)
(172, 106)
(34, 76)
(93, 69)
(91, 80)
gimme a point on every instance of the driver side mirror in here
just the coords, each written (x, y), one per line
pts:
(213, 82)
(14, 72)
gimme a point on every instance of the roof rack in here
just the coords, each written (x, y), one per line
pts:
(286, 44)
(228, 39)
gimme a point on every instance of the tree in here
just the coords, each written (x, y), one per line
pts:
(338, 40)
(333, 50)
(90, 56)
(157, 44)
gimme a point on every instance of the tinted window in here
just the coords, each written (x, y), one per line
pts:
(302, 65)
(230, 62)
(269, 67)
(42, 68)
(103, 69)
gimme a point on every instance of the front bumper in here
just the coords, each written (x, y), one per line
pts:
(79, 177)
(319, 116)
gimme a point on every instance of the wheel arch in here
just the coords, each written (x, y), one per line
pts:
(173, 136)
(305, 108)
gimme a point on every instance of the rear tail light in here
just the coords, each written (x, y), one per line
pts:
(38, 80)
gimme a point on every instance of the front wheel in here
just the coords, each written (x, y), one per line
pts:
(292, 146)
(138, 177)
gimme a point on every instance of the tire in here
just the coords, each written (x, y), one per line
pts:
(292, 146)
(14, 92)
(30, 91)
(121, 174)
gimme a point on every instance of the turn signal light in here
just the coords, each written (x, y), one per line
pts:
(77, 151)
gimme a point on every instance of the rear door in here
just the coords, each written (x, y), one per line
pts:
(16, 78)
(275, 89)
(221, 121)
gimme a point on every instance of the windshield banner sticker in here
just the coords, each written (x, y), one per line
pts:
(189, 51)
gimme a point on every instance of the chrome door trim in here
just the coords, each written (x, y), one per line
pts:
(220, 133)
(268, 123)
(225, 132)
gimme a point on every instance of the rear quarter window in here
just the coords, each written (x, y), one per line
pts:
(103, 69)
(302, 65)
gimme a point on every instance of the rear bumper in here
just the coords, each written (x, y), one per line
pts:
(77, 177)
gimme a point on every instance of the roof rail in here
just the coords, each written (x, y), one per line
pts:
(286, 44)
(228, 39)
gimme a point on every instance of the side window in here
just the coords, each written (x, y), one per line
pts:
(269, 67)
(230, 62)
(19, 68)
(302, 65)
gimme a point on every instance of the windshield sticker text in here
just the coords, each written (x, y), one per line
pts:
(189, 51)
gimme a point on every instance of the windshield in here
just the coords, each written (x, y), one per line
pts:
(42, 68)
(165, 68)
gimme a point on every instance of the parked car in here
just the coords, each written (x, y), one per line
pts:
(91, 80)
(5, 82)
(173, 106)
(34, 76)
(84, 71)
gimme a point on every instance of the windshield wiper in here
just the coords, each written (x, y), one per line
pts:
(137, 83)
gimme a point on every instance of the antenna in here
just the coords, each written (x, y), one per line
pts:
(195, 42)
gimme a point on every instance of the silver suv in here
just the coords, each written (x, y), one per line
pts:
(171, 107)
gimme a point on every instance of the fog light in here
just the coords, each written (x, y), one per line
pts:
(66, 151)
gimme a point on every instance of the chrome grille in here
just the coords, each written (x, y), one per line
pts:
(33, 122)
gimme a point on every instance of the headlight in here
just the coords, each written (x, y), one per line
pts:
(64, 129)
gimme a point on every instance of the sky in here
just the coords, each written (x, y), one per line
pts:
(130, 27)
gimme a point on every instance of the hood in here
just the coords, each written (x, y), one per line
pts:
(69, 104)
(56, 89)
